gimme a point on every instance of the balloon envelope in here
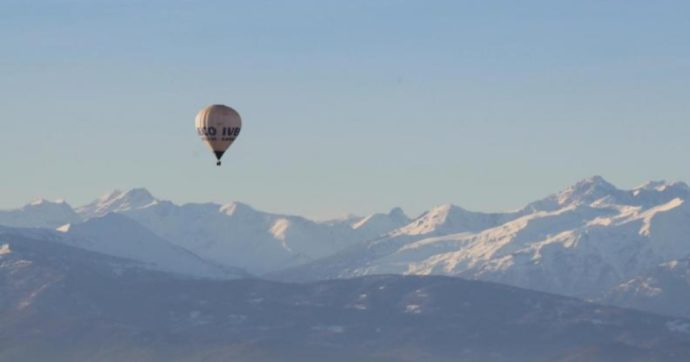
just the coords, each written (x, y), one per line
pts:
(218, 126)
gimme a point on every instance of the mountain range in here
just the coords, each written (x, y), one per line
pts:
(591, 240)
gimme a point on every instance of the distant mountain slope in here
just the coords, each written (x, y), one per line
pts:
(60, 303)
(665, 289)
(119, 236)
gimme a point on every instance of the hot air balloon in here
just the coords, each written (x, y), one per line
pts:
(218, 126)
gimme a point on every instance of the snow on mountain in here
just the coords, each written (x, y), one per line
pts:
(579, 242)
(117, 235)
(659, 192)
(118, 201)
(596, 190)
(582, 241)
(380, 224)
(40, 214)
(446, 219)
(232, 234)
(584, 192)
(236, 234)
(345, 219)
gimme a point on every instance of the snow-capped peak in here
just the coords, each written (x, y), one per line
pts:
(379, 224)
(662, 186)
(346, 219)
(39, 213)
(37, 202)
(42, 201)
(112, 195)
(64, 228)
(584, 192)
(659, 185)
(139, 196)
(236, 208)
(587, 191)
(60, 203)
(442, 212)
(52, 209)
(449, 218)
(118, 201)
(659, 192)
(597, 192)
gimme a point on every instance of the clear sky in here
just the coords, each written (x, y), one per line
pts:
(348, 106)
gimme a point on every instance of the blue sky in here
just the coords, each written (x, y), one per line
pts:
(348, 106)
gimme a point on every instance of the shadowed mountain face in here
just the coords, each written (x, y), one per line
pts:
(61, 303)
(665, 288)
